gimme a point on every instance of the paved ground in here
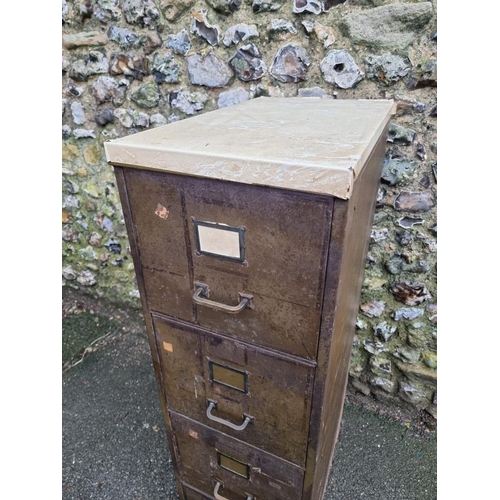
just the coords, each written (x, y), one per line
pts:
(114, 443)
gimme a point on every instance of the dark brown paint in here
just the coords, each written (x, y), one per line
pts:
(279, 387)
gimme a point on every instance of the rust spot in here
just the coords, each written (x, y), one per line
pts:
(168, 347)
(161, 211)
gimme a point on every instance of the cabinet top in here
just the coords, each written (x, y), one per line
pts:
(303, 144)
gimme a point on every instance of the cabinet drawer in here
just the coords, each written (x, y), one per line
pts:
(240, 381)
(224, 241)
(207, 457)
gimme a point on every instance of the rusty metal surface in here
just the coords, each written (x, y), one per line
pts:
(278, 393)
(286, 236)
(161, 241)
(274, 221)
(196, 447)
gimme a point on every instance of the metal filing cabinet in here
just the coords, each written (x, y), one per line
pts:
(249, 228)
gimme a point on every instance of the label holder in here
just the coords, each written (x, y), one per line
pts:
(235, 240)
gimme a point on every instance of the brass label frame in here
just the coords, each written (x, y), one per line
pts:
(232, 465)
(214, 367)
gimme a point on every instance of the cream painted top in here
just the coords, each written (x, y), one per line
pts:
(304, 144)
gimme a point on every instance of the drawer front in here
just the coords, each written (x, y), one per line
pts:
(210, 462)
(225, 241)
(283, 234)
(241, 382)
(271, 323)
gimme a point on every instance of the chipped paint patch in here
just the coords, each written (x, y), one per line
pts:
(168, 347)
(161, 211)
(193, 434)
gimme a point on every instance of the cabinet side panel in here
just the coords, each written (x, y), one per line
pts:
(351, 227)
(155, 356)
(337, 234)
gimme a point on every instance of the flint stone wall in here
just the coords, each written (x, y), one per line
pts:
(129, 65)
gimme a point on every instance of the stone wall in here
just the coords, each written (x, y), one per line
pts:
(129, 65)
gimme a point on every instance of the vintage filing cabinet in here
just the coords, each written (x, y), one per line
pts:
(249, 228)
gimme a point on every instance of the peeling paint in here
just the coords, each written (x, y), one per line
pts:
(161, 211)
(168, 347)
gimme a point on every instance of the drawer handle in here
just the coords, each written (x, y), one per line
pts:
(202, 293)
(213, 405)
(220, 497)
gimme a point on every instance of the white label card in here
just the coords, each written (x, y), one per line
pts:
(219, 241)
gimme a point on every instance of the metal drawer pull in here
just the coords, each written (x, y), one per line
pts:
(213, 405)
(220, 497)
(202, 293)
